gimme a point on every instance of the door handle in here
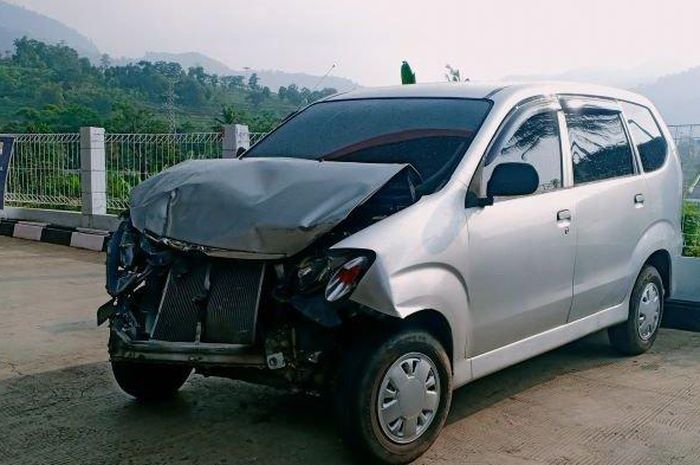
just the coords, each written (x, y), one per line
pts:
(563, 215)
(639, 200)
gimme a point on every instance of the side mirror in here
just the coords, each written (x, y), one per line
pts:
(240, 151)
(510, 179)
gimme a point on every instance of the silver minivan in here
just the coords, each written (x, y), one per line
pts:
(386, 246)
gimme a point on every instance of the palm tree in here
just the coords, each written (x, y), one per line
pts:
(453, 74)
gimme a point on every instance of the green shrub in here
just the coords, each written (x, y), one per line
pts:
(691, 229)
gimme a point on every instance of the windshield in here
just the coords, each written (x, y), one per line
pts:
(430, 134)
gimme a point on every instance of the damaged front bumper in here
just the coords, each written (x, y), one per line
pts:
(123, 348)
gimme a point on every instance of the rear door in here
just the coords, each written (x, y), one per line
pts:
(611, 195)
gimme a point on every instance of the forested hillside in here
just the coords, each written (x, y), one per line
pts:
(50, 88)
(16, 22)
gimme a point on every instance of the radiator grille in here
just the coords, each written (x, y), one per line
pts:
(233, 303)
(179, 312)
(228, 311)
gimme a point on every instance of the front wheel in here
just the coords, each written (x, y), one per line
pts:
(394, 396)
(636, 335)
(149, 381)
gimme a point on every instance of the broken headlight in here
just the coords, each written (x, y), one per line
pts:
(122, 255)
(127, 249)
(346, 276)
(312, 273)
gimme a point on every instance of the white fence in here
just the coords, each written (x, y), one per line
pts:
(256, 136)
(131, 158)
(45, 170)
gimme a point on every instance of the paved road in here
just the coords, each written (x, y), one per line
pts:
(581, 404)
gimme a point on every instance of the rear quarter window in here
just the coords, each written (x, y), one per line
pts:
(646, 135)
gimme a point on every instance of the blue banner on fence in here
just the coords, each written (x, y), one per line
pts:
(5, 154)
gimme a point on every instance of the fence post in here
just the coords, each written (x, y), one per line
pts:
(235, 137)
(93, 183)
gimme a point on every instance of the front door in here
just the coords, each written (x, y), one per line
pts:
(521, 250)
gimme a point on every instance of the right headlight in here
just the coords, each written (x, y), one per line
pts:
(346, 277)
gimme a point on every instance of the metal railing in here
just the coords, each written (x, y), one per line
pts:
(45, 171)
(687, 139)
(256, 136)
(131, 158)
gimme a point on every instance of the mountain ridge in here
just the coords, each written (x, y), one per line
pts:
(676, 95)
(17, 21)
(274, 79)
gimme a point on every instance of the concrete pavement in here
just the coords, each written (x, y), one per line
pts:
(581, 404)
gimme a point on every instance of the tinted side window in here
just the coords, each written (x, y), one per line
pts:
(534, 141)
(646, 135)
(599, 145)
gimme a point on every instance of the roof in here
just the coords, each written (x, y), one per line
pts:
(444, 89)
(496, 90)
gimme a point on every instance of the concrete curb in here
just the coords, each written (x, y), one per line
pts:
(682, 314)
(90, 239)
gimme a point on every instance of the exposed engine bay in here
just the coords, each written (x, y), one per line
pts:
(275, 316)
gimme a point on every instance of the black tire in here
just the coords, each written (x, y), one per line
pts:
(626, 337)
(360, 381)
(149, 381)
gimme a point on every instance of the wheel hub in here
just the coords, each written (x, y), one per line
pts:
(408, 399)
(649, 311)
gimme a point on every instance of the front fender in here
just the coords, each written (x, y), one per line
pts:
(434, 286)
(420, 264)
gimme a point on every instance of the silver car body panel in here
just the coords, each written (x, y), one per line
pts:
(506, 278)
(270, 206)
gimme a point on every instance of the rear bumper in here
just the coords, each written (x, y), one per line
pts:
(123, 348)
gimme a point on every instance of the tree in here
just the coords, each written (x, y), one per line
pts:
(229, 115)
(105, 61)
(50, 94)
(407, 74)
(256, 98)
(293, 95)
(453, 74)
(51, 88)
(233, 82)
(254, 82)
(126, 117)
(197, 73)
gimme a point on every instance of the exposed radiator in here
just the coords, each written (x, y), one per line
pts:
(179, 311)
(233, 302)
(227, 310)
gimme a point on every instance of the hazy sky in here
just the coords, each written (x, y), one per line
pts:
(486, 39)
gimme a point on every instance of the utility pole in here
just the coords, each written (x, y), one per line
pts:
(170, 106)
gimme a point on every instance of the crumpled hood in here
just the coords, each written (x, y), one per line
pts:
(273, 206)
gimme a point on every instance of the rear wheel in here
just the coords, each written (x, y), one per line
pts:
(149, 381)
(638, 333)
(395, 395)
